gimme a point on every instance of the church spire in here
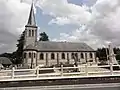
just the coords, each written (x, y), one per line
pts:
(31, 19)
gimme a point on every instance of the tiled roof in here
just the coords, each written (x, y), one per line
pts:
(60, 46)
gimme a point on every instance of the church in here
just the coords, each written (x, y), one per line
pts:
(48, 53)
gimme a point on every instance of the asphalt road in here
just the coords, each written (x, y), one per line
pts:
(110, 86)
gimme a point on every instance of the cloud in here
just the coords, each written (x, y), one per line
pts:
(105, 21)
(89, 2)
(62, 10)
(13, 17)
(98, 23)
(101, 27)
(80, 35)
(60, 21)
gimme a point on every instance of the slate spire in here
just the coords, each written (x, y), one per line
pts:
(31, 19)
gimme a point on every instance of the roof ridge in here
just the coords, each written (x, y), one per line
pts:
(62, 46)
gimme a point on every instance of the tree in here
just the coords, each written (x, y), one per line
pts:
(18, 55)
(8, 55)
(102, 55)
(43, 37)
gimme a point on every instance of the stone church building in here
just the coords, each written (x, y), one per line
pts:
(49, 53)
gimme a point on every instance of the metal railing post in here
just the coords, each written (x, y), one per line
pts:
(111, 68)
(79, 69)
(54, 69)
(13, 72)
(61, 70)
(37, 72)
(86, 69)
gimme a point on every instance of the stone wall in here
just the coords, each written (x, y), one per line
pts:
(48, 61)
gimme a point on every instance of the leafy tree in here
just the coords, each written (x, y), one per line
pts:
(8, 55)
(43, 37)
(101, 54)
(16, 56)
(19, 52)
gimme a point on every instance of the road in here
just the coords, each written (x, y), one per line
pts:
(111, 86)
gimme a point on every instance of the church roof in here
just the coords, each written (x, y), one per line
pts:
(60, 46)
(31, 19)
(31, 46)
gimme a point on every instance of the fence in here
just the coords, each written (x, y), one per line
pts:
(36, 73)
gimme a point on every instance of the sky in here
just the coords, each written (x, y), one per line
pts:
(95, 22)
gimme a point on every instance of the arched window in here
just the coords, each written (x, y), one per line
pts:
(91, 56)
(41, 56)
(76, 55)
(32, 32)
(24, 55)
(72, 55)
(34, 55)
(82, 56)
(29, 33)
(52, 56)
(30, 55)
(63, 56)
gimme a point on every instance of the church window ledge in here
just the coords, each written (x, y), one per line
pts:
(33, 33)
(41, 56)
(34, 55)
(76, 55)
(24, 55)
(52, 56)
(63, 55)
(90, 55)
(30, 55)
(82, 56)
(29, 33)
(72, 56)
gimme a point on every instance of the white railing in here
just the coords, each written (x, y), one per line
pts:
(59, 72)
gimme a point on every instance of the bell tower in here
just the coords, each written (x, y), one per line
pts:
(30, 29)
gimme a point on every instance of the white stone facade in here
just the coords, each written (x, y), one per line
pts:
(35, 59)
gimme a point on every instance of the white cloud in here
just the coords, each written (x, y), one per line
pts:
(101, 23)
(13, 17)
(102, 26)
(60, 21)
(62, 10)
(105, 20)
(79, 35)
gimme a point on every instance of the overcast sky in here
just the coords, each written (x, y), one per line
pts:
(95, 22)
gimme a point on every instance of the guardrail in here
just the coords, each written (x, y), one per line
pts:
(59, 71)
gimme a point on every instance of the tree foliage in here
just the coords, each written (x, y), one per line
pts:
(43, 37)
(16, 56)
(8, 55)
(19, 52)
(102, 54)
